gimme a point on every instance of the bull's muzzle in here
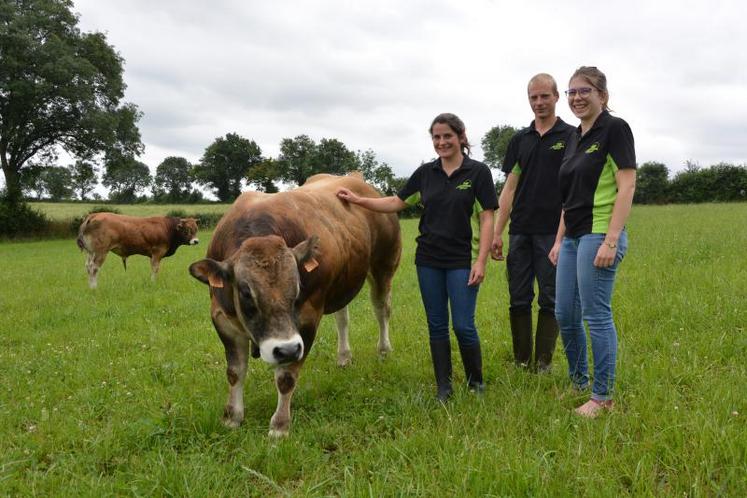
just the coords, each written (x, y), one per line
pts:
(194, 241)
(280, 352)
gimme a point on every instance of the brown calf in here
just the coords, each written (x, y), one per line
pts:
(156, 237)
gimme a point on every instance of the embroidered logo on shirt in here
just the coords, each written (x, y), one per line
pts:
(465, 185)
(593, 148)
(559, 145)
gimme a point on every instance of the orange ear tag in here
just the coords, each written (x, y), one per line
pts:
(310, 265)
(215, 281)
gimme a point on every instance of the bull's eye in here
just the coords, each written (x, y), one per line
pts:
(247, 300)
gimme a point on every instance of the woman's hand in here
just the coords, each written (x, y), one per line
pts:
(605, 256)
(347, 195)
(476, 274)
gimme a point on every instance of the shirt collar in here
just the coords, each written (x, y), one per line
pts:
(558, 124)
(598, 123)
(466, 164)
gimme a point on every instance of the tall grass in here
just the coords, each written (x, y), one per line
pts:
(119, 391)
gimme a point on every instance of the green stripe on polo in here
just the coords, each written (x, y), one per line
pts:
(516, 169)
(475, 223)
(604, 197)
(413, 200)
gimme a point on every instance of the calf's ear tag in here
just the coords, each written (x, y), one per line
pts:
(310, 265)
(215, 281)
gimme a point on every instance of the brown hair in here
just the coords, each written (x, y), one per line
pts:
(456, 125)
(597, 79)
(545, 78)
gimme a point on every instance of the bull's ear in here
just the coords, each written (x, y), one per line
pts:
(306, 253)
(211, 272)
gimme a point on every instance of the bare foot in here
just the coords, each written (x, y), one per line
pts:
(592, 408)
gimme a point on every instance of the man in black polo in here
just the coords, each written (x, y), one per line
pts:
(531, 197)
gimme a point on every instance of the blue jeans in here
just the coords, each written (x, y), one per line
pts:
(442, 289)
(584, 293)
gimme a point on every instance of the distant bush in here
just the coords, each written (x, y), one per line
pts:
(74, 224)
(204, 220)
(207, 220)
(19, 220)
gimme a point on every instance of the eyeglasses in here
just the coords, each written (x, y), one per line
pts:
(584, 91)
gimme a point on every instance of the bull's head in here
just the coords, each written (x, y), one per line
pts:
(187, 230)
(259, 285)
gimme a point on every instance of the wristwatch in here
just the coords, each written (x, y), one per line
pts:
(611, 245)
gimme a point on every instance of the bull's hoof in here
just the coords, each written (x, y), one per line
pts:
(277, 434)
(344, 358)
(231, 418)
(385, 349)
(231, 423)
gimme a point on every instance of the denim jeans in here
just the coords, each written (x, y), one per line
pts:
(442, 289)
(584, 293)
(527, 259)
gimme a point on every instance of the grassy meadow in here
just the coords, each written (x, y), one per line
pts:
(119, 391)
(63, 211)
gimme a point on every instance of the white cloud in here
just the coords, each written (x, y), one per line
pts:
(373, 74)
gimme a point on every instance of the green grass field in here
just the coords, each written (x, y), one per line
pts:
(119, 391)
(63, 211)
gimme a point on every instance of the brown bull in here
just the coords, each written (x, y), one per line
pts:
(156, 237)
(277, 263)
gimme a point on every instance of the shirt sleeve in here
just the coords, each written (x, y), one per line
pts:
(511, 159)
(485, 192)
(410, 193)
(621, 145)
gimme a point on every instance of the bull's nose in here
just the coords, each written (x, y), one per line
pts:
(194, 242)
(287, 353)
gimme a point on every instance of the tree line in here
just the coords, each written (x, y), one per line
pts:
(228, 166)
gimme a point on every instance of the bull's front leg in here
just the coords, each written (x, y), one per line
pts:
(237, 355)
(155, 265)
(342, 318)
(286, 378)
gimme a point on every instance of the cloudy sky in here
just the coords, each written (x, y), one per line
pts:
(374, 74)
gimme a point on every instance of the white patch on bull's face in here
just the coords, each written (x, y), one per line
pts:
(279, 352)
(194, 241)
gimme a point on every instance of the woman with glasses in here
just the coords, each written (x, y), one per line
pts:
(454, 190)
(597, 181)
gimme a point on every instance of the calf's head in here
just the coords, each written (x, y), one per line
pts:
(186, 230)
(259, 285)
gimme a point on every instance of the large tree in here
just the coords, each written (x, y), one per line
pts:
(262, 176)
(378, 174)
(59, 88)
(495, 144)
(301, 157)
(84, 179)
(173, 181)
(125, 177)
(56, 181)
(225, 163)
(295, 163)
(333, 156)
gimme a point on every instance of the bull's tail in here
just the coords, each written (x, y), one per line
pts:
(81, 241)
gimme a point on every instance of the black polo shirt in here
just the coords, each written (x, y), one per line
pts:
(535, 160)
(588, 187)
(448, 226)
